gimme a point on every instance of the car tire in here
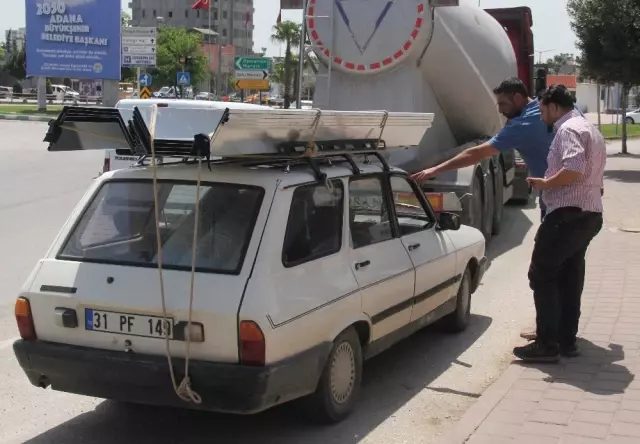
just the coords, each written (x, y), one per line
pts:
(459, 319)
(498, 204)
(339, 385)
(629, 120)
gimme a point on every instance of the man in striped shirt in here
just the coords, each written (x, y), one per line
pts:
(571, 189)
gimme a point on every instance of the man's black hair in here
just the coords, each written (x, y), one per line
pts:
(512, 85)
(558, 94)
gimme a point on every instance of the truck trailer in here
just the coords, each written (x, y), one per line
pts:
(441, 57)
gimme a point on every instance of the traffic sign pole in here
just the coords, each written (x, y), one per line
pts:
(138, 80)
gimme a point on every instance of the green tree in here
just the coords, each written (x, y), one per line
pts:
(174, 44)
(608, 36)
(559, 61)
(124, 18)
(287, 33)
(16, 64)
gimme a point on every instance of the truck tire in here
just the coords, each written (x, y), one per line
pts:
(339, 385)
(473, 210)
(459, 319)
(498, 209)
(488, 209)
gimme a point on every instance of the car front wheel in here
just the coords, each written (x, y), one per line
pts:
(459, 319)
(339, 385)
(629, 120)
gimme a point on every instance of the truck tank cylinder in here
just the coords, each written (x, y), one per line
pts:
(403, 55)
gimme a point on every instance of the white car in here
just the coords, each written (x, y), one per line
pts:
(633, 116)
(304, 266)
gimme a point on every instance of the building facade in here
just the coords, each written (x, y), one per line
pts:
(232, 19)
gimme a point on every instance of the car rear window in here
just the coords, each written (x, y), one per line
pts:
(118, 227)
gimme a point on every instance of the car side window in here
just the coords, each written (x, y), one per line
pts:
(314, 227)
(368, 212)
(410, 211)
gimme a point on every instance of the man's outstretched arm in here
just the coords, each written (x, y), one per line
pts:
(468, 157)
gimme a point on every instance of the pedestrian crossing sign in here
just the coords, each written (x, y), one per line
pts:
(184, 78)
(145, 93)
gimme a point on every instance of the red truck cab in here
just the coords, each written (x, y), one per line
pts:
(517, 22)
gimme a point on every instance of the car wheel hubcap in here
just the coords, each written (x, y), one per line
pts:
(343, 373)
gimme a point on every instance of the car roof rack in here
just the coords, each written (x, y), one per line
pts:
(263, 135)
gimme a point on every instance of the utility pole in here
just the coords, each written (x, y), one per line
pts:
(303, 41)
(219, 40)
(540, 54)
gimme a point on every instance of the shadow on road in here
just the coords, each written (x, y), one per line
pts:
(515, 227)
(627, 176)
(390, 381)
(594, 372)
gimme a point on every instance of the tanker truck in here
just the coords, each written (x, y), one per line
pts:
(436, 56)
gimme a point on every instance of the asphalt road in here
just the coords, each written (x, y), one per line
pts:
(411, 393)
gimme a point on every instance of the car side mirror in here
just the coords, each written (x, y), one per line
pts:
(449, 221)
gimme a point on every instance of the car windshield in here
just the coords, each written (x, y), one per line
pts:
(118, 227)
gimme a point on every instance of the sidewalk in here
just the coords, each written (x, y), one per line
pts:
(594, 398)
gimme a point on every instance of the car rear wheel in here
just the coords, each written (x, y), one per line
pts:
(339, 385)
(459, 319)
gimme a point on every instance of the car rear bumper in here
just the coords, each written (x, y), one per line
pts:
(145, 379)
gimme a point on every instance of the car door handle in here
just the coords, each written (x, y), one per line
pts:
(413, 247)
(362, 264)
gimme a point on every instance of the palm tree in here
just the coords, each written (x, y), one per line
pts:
(287, 32)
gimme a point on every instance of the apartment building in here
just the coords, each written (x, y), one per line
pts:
(236, 24)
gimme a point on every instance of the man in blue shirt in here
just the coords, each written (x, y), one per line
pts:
(525, 131)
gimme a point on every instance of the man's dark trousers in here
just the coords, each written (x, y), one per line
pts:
(557, 272)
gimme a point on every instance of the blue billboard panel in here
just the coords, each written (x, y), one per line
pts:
(78, 39)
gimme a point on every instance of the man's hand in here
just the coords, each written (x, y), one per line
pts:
(538, 183)
(425, 175)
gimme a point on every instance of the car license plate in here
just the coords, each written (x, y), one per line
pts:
(127, 324)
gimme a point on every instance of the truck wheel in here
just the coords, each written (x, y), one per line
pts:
(487, 210)
(339, 385)
(472, 211)
(498, 208)
(459, 319)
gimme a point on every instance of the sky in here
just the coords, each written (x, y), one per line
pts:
(551, 28)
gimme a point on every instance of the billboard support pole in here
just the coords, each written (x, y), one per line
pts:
(42, 94)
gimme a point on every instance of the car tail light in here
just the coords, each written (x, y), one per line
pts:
(106, 166)
(436, 200)
(252, 344)
(25, 320)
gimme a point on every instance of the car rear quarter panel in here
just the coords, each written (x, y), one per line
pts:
(304, 305)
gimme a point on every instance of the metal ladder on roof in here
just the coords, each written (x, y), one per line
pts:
(308, 47)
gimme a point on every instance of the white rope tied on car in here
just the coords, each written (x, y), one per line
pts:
(184, 390)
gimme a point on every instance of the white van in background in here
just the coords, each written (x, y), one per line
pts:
(170, 125)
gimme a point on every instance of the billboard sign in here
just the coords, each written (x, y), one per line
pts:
(78, 39)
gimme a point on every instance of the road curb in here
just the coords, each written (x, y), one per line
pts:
(25, 118)
(478, 412)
